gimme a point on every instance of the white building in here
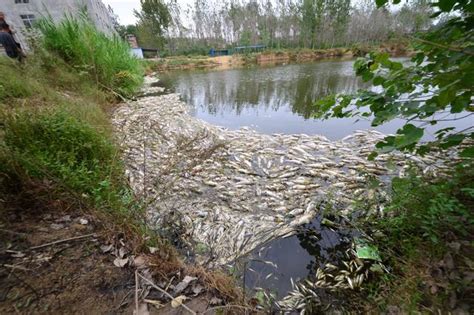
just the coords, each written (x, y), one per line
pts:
(20, 14)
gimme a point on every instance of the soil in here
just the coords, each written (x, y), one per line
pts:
(270, 57)
(56, 258)
(69, 277)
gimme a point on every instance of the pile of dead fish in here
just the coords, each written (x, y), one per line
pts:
(235, 189)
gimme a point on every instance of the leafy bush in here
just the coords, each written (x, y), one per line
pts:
(107, 60)
(435, 83)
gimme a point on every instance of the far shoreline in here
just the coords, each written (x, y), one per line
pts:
(271, 57)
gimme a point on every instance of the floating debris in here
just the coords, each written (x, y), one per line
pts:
(232, 190)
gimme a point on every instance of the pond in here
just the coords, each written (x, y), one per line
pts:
(274, 99)
(278, 99)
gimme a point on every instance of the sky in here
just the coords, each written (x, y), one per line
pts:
(124, 9)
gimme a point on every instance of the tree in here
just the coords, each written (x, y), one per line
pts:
(126, 30)
(438, 82)
(154, 19)
(414, 17)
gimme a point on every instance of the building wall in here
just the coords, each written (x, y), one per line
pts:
(18, 14)
(137, 52)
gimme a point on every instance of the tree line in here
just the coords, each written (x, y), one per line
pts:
(194, 28)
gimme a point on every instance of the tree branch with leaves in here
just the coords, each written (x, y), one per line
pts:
(437, 80)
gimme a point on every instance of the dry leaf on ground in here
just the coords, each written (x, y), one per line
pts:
(120, 262)
(178, 301)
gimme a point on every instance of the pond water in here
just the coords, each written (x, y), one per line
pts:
(278, 99)
(275, 265)
(273, 99)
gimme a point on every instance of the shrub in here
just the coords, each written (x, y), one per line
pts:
(107, 60)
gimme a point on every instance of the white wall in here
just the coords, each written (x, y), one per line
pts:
(137, 52)
(56, 9)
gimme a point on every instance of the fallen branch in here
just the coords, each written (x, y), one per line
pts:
(123, 302)
(16, 267)
(166, 293)
(62, 241)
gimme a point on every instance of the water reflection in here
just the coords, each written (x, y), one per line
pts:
(274, 99)
(271, 266)
(236, 91)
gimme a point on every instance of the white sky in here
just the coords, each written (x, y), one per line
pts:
(124, 9)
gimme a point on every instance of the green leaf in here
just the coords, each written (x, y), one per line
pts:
(396, 66)
(467, 153)
(446, 96)
(459, 104)
(260, 296)
(408, 135)
(372, 156)
(367, 76)
(380, 2)
(374, 67)
(366, 251)
(378, 81)
(445, 5)
(452, 140)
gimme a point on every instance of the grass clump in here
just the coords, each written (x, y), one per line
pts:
(107, 60)
(424, 210)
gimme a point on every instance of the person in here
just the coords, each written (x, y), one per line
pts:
(2, 20)
(8, 42)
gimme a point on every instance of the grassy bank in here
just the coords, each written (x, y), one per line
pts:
(58, 151)
(107, 61)
(55, 125)
(272, 56)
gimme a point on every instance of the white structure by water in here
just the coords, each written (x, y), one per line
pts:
(21, 14)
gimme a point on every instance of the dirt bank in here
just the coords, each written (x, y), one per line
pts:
(68, 277)
(60, 259)
(271, 57)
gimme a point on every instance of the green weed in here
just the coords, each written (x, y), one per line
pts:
(107, 60)
(424, 215)
(55, 145)
(422, 210)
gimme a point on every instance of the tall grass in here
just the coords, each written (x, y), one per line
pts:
(107, 60)
(55, 145)
(54, 129)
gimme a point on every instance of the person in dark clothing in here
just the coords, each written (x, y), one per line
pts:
(8, 42)
(9, 30)
(2, 21)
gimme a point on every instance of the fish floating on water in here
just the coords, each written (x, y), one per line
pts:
(236, 189)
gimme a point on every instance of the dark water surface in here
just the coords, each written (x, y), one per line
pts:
(273, 266)
(274, 99)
